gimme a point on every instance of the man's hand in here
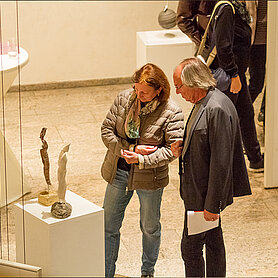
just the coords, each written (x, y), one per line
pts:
(130, 157)
(210, 216)
(235, 85)
(145, 149)
(176, 148)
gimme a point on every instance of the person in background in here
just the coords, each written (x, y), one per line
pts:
(193, 17)
(138, 131)
(257, 61)
(231, 34)
(211, 165)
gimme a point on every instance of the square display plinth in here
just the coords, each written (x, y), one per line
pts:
(166, 49)
(62, 247)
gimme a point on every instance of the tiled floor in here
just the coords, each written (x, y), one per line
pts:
(74, 116)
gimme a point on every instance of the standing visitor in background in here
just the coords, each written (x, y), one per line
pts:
(231, 34)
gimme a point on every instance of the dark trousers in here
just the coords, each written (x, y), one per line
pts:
(192, 253)
(257, 70)
(245, 111)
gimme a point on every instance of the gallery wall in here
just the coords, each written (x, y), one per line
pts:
(79, 40)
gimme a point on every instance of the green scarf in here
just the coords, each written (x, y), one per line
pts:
(134, 113)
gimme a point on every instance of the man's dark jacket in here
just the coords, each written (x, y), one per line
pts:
(212, 165)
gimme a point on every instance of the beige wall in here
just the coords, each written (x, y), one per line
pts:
(271, 124)
(80, 40)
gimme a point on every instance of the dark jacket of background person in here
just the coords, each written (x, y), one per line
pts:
(232, 37)
(193, 17)
(160, 128)
(234, 34)
(213, 169)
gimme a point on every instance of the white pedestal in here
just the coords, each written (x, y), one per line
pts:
(166, 49)
(62, 247)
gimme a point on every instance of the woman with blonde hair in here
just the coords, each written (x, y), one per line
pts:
(138, 131)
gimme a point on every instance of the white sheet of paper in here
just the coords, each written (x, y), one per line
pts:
(197, 224)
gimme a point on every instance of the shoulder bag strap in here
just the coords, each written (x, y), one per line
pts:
(204, 38)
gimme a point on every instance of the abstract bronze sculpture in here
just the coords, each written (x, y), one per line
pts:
(46, 197)
(44, 156)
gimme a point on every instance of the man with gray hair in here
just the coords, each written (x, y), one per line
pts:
(211, 165)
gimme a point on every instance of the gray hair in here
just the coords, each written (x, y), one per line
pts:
(196, 74)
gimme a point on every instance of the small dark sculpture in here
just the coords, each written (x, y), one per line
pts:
(61, 210)
(46, 197)
(45, 158)
(167, 18)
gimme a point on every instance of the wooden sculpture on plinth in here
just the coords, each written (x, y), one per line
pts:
(46, 197)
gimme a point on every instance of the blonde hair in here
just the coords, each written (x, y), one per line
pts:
(196, 74)
(154, 77)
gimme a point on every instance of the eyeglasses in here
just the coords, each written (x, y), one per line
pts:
(178, 88)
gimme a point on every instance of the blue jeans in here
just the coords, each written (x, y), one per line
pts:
(115, 202)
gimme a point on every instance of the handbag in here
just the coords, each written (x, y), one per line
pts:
(223, 80)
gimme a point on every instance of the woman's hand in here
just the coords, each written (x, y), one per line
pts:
(210, 216)
(176, 148)
(235, 85)
(145, 149)
(130, 157)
